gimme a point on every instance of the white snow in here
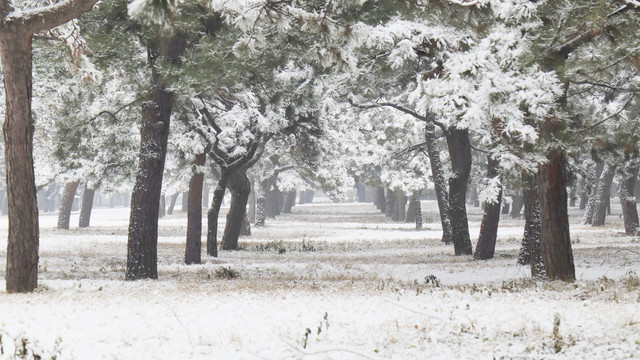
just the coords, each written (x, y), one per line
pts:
(366, 291)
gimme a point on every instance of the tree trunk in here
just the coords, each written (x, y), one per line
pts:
(628, 201)
(252, 201)
(261, 205)
(142, 246)
(419, 216)
(486, 247)
(240, 187)
(185, 202)
(161, 210)
(381, 201)
(592, 186)
(205, 195)
(516, 206)
(399, 208)
(16, 34)
(554, 220)
(389, 203)
(213, 214)
(506, 209)
(460, 152)
(602, 194)
(87, 206)
(289, 201)
(245, 230)
(439, 182)
(531, 251)
(172, 203)
(414, 203)
(583, 194)
(193, 249)
(64, 213)
(22, 244)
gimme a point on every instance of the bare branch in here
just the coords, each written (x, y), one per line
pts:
(608, 118)
(402, 109)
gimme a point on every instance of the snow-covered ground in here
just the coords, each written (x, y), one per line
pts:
(330, 281)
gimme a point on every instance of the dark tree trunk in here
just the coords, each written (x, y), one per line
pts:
(381, 201)
(628, 201)
(516, 208)
(87, 206)
(554, 220)
(460, 152)
(289, 201)
(261, 211)
(22, 244)
(592, 186)
(419, 216)
(193, 249)
(64, 214)
(163, 204)
(213, 214)
(531, 251)
(275, 202)
(142, 246)
(15, 53)
(172, 203)
(486, 247)
(439, 182)
(246, 226)
(603, 193)
(399, 206)
(185, 201)
(240, 187)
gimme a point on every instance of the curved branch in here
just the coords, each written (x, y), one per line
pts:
(404, 110)
(55, 15)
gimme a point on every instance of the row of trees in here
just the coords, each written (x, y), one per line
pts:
(529, 97)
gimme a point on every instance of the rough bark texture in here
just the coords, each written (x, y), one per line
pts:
(15, 52)
(261, 206)
(602, 195)
(486, 246)
(213, 214)
(460, 152)
(193, 249)
(554, 220)
(240, 187)
(531, 251)
(142, 246)
(628, 201)
(64, 213)
(592, 185)
(440, 184)
(87, 206)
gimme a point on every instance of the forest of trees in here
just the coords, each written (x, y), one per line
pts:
(515, 105)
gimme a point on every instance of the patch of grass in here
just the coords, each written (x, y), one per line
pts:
(226, 273)
(631, 280)
(307, 246)
(277, 246)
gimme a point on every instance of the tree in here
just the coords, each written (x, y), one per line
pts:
(16, 33)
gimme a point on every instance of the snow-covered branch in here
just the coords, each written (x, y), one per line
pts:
(51, 16)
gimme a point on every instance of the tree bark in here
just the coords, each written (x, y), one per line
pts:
(87, 206)
(193, 248)
(460, 152)
(213, 214)
(592, 186)
(240, 187)
(142, 246)
(245, 230)
(414, 203)
(439, 182)
(16, 34)
(602, 194)
(64, 213)
(628, 201)
(161, 210)
(252, 201)
(486, 247)
(554, 220)
(172, 203)
(531, 251)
